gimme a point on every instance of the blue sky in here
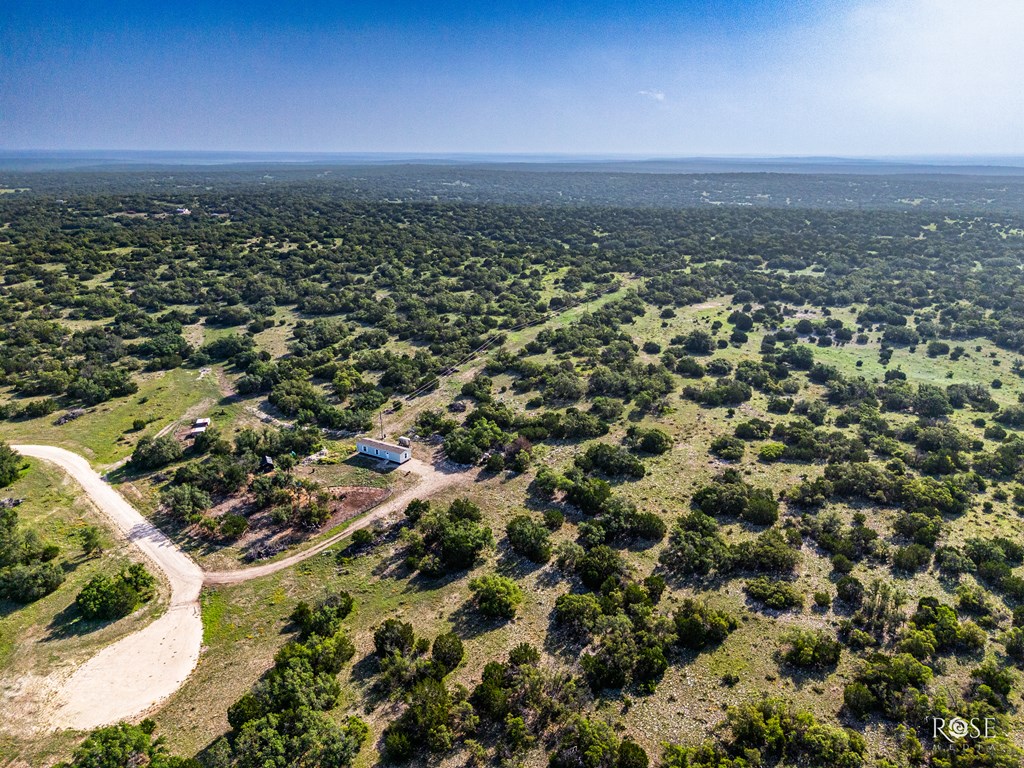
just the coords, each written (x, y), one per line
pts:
(727, 77)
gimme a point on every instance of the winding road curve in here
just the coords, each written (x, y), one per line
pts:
(141, 670)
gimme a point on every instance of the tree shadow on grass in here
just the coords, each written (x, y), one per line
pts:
(71, 623)
(393, 566)
(420, 582)
(365, 674)
(514, 565)
(8, 607)
(468, 623)
(803, 677)
(563, 643)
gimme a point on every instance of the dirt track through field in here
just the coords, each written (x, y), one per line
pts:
(138, 672)
(431, 481)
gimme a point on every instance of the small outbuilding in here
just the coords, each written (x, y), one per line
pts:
(378, 449)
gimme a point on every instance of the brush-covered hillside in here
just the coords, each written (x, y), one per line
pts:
(695, 485)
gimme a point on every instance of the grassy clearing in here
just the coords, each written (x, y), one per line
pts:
(105, 434)
(350, 470)
(275, 339)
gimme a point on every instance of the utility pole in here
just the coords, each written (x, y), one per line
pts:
(381, 425)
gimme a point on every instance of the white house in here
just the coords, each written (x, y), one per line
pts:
(378, 449)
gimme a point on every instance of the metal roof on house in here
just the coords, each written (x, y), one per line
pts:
(380, 444)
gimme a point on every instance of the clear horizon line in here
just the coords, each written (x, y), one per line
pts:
(525, 154)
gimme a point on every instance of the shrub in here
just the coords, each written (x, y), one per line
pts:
(10, 465)
(112, 597)
(124, 745)
(698, 625)
(449, 540)
(696, 547)
(586, 743)
(580, 613)
(362, 538)
(774, 594)
(393, 636)
(948, 631)
(648, 526)
(850, 590)
(652, 440)
(911, 558)
(890, 684)
(588, 493)
(810, 493)
(185, 501)
(612, 460)
(554, 519)
(529, 538)
(325, 617)
(155, 452)
(460, 448)
(233, 525)
(27, 568)
(723, 392)
(631, 755)
(842, 563)
(605, 408)
(771, 452)
(807, 649)
(597, 564)
(448, 651)
(768, 552)
(28, 582)
(727, 448)
(754, 429)
(772, 731)
(496, 596)
(728, 495)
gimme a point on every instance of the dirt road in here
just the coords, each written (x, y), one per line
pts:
(431, 481)
(141, 670)
(146, 667)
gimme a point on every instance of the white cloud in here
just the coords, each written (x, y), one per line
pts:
(654, 95)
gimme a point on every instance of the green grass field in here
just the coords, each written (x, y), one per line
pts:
(105, 434)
